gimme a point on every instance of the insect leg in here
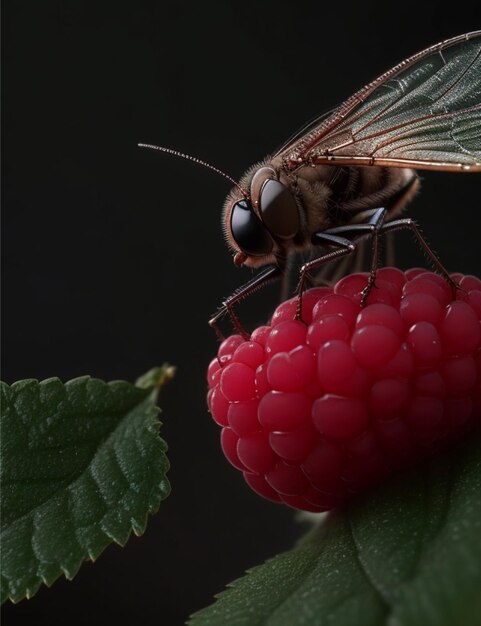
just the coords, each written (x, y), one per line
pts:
(410, 224)
(345, 246)
(376, 221)
(270, 274)
(372, 227)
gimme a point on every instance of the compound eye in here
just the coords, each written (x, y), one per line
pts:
(278, 209)
(248, 231)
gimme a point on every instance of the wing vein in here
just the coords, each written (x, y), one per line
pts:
(424, 111)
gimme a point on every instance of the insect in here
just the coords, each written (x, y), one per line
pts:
(350, 174)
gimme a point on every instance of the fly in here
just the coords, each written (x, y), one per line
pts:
(348, 175)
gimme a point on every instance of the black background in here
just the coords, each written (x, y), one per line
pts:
(114, 257)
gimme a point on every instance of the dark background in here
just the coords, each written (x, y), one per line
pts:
(114, 257)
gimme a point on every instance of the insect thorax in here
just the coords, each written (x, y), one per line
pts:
(334, 195)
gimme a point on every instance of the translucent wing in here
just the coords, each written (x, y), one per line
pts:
(424, 113)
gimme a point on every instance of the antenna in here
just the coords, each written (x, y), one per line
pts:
(195, 160)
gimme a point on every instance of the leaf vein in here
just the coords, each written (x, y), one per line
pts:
(385, 604)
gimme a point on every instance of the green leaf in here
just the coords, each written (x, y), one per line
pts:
(406, 554)
(82, 465)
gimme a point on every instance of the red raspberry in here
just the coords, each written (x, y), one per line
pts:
(312, 412)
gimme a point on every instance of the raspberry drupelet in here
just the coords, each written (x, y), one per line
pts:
(315, 410)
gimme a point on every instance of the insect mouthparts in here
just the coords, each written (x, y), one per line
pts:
(239, 258)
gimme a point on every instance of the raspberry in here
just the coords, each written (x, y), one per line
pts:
(312, 411)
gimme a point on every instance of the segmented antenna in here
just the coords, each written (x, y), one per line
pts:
(195, 160)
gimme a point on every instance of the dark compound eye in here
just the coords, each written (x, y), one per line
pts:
(278, 209)
(248, 231)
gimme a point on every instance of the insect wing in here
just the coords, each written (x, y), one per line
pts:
(424, 113)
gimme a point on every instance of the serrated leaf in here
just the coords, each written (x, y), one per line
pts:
(82, 465)
(406, 554)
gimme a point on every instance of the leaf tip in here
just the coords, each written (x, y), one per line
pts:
(157, 377)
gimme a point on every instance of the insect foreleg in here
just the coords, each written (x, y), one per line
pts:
(227, 307)
(341, 237)
(372, 227)
(345, 247)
